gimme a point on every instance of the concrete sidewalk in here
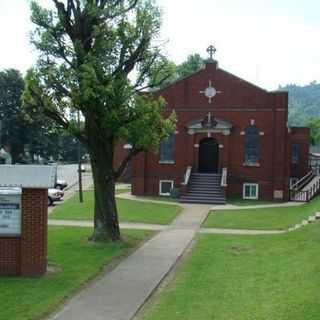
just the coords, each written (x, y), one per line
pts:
(118, 295)
(241, 231)
(123, 225)
(129, 196)
(256, 206)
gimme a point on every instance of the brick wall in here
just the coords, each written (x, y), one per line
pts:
(27, 255)
(301, 137)
(239, 103)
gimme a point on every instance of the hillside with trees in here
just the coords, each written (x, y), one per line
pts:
(304, 103)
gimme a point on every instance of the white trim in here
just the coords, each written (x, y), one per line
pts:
(165, 194)
(251, 164)
(250, 185)
(167, 162)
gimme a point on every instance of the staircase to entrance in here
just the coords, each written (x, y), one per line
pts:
(204, 188)
(306, 188)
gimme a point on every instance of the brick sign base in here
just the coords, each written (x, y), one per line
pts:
(27, 255)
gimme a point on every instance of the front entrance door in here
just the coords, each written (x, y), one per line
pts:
(208, 155)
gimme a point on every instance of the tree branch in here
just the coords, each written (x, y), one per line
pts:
(121, 12)
(133, 152)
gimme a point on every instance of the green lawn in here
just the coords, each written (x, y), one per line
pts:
(265, 218)
(238, 201)
(79, 261)
(245, 278)
(129, 210)
(160, 198)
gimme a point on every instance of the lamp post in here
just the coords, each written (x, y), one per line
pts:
(0, 133)
(79, 163)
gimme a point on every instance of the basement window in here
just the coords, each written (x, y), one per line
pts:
(165, 187)
(250, 191)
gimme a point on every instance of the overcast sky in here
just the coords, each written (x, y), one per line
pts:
(270, 42)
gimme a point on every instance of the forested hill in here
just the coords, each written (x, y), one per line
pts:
(304, 102)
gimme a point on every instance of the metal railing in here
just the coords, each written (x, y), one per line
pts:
(305, 195)
(303, 181)
(224, 177)
(315, 167)
(187, 176)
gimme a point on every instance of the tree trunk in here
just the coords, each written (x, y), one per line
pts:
(106, 224)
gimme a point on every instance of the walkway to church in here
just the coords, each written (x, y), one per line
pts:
(118, 295)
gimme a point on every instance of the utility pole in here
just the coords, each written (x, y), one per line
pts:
(79, 163)
(0, 133)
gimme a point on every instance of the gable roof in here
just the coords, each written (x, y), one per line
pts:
(201, 70)
(28, 176)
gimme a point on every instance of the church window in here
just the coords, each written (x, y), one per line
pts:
(167, 149)
(252, 145)
(295, 152)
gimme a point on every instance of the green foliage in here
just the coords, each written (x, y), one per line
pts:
(21, 132)
(96, 57)
(166, 72)
(14, 126)
(163, 74)
(304, 102)
(193, 63)
(314, 125)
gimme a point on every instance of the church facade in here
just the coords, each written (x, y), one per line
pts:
(231, 139)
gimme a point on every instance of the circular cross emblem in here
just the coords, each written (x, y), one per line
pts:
(210, 92)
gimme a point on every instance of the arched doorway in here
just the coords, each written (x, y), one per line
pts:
(208, 155)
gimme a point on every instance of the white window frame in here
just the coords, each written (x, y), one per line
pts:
(165, 194)
(256, 197)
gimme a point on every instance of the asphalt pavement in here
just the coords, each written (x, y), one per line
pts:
(69, 173)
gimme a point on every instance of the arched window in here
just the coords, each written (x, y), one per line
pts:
(252, 145)
(167, 149)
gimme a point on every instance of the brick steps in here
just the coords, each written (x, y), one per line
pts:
(204, 188)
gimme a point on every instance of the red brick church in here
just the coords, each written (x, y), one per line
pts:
(231, 139)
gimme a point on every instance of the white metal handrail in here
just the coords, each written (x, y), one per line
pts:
(224, 177)
(187, 176)
(302, 180)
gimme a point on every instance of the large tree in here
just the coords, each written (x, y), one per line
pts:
(13, 124)
(193, 63)
(96, 56)
(168, 72)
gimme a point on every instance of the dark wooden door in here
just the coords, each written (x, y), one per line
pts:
(208, 155)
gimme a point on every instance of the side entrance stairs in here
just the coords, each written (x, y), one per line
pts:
(204, 188)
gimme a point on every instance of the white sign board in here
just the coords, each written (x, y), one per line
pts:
(10, 211)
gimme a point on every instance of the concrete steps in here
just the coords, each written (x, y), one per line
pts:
(204, 188)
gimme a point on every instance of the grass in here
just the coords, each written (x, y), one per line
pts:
(160, 198)
(238, 201)
(277, 218)
(119, 191)
(129, 210)
(245, 278)
(79, 261)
